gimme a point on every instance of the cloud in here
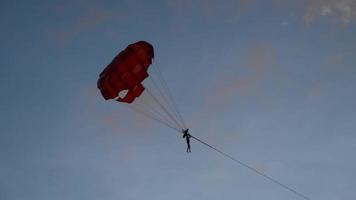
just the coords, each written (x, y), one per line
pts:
(259, 57)
(315, 91)
(335, 60)
(285, 22)
(256, 63)
(310, 11)
(229, 89)
(230, 9)
(88, 19)
(344, 10)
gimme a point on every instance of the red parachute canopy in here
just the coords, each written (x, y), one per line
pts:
(126, 72)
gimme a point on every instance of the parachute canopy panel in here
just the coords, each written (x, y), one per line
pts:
(126, 72)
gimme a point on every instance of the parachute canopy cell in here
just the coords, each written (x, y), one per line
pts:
(126, 72)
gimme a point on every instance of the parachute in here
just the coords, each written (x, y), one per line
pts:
(129, 79)
(126, 72)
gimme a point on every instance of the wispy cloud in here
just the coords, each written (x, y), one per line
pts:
(88, 19)
(344, 10)
(310, 11)
(259, 57)
(230, 9)
(285, 22)
(257, 61)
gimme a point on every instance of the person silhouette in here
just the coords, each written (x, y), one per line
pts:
(187, 137)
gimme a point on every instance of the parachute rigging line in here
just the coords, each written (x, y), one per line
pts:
(253, 169)
(167, 93)
(142, 106)
(165, 100)
(163, 107)
(153, 118)
(165, 86)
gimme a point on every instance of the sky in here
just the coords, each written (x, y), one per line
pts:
(270, 82)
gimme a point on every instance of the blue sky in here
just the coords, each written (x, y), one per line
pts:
(270, 82)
